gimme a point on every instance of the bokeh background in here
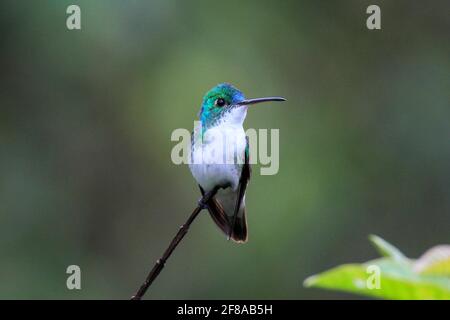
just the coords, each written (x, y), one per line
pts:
(86, 118)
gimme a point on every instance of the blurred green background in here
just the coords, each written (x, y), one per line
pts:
(86, 118)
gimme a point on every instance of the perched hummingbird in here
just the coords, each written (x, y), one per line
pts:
(223, 150)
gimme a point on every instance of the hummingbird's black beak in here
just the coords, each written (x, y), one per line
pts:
(259, 100)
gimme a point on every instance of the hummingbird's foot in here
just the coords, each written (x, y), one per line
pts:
(202, 204)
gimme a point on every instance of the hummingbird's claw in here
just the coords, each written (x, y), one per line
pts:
(202, 204)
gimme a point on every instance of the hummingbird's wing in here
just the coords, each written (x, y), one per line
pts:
(238, 230)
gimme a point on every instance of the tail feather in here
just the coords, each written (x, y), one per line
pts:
(218, 215)
(221, 209)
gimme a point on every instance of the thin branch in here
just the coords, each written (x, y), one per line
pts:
(159, 265)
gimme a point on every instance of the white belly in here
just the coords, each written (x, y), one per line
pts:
(218, 160)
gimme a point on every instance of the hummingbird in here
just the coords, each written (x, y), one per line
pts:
(220, 157)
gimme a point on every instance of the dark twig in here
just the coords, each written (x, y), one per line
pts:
(159, 265)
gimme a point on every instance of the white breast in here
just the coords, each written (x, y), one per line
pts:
(219, 159)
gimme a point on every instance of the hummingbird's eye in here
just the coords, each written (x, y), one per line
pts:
(220, 102)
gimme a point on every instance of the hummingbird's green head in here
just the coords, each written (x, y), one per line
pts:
(226, 103)
(218, 102)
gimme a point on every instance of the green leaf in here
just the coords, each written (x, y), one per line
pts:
(392, 277)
